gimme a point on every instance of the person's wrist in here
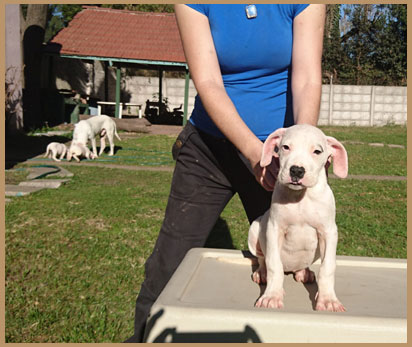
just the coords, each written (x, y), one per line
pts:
(311, 120)
(254, 153)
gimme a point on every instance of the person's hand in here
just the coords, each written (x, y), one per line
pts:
(266, 176)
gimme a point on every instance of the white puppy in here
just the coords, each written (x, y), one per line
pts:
(54, 149)
(87, 129)
(300, 224)
(77, 151)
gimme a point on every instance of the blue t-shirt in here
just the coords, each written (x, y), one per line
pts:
(255, 57)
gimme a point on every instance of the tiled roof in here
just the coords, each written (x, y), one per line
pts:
(108, 33)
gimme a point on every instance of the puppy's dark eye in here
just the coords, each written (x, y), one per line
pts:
(317, 151)
(285, 147)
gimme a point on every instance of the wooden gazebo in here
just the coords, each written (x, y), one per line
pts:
(121, 38)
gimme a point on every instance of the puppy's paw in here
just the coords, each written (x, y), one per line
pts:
(304, 276)
(270, 301)
(329, 304)
(259, 276)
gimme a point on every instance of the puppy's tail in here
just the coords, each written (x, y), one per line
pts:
(47, 152)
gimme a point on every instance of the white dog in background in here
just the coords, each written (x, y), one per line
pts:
(86, 130)
(54, 149)
(300, 224)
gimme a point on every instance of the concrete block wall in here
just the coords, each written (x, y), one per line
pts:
(363, 105)
(390, 105)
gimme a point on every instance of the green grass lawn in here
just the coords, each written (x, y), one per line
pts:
(390, 134)
(151, 150)
(370, 160)
(75, 255)
(145, 150)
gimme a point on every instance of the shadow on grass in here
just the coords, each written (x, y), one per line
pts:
(107, 149)
(21, 147)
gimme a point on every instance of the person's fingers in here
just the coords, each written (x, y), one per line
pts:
(269, 178)
(266, 176)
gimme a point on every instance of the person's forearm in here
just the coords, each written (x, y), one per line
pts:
(224, 114)
(306, 103)
(308, 29)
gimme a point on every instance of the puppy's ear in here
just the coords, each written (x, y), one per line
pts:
(269, 146)
(339, 156)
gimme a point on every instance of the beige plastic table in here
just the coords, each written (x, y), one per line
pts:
(211, 296)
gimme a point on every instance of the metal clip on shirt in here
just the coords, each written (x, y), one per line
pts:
(251, 11)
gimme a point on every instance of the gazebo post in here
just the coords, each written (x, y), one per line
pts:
(117, 111)
(160, 70)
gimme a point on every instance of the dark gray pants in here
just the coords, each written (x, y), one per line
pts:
(208, 172)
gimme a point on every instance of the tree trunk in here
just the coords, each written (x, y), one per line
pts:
(13, 87)
(36, 15)
(33, 29)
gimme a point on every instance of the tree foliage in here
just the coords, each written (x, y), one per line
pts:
(371, 46)
(331, 59)
(143, 7)
(391, 56)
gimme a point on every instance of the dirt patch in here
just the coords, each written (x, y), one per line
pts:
(65, 127)
(155, 129)
(158, 129)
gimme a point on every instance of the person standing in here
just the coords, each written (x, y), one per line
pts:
(256, 68)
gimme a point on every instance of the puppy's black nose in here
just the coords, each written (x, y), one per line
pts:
(297, 172)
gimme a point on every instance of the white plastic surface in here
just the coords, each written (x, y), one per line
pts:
(211, 297)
